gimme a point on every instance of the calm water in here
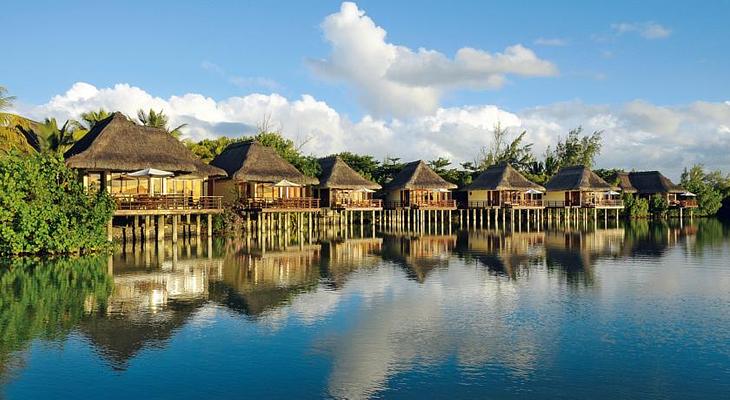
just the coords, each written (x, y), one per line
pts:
(636, 312)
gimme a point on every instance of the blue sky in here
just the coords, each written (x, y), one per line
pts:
(605, 54)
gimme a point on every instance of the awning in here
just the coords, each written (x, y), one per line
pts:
(689, 194)
(533, 191)
(150, 172)
(286, 183)
(443, 190)
(612, 193)
(365, 190)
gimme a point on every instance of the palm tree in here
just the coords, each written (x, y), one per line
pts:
(12, 138)
(50, 138)
(158, 119)
(93, 117)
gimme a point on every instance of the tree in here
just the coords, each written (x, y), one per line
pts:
(12, 136)
(363, 164)
(635, 207)
(54, 139)
(208, 149)
(93, 117)
(658, 205)
(709, 196)
(388, 169)
(5, 100)
(44, 208)
(516, 153)
(574, 150)
(158, 119)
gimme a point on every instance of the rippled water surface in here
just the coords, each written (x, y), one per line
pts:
(641, 311)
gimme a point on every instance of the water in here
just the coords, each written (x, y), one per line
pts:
(636, 312)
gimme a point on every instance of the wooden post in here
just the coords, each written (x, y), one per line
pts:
(210, 225)
(110, 230)
(160, 228)
(174, 228)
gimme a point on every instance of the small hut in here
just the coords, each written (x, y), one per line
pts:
(341, 187)
(116, 152)
(650, 183)
(261, 179)
(503, 186)
(578, 186)
(418, 186)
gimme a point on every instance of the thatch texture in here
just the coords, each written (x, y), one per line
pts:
(577, 178)
(624, 183)
(503, 177)
(254, 162)
(417, 175)
(336, 174)
(118, 144)
(651, 182)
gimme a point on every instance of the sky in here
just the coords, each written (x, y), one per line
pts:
(412, 80)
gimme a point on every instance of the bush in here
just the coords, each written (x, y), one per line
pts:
(658, 205)
(44, 208)
(635, 207)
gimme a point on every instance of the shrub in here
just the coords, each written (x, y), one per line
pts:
(658, 205)
(44, 208)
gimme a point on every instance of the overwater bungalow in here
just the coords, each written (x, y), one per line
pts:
(649, 183)
(502, 186)
(342, 188)
(146, 170)
(579, 187)
(418, 187)
(261, 180)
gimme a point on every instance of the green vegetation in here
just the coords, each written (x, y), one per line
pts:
(658, 205)
(44, 209)
(158, 119)
(710, 188)
(635, 207)
(46, 298)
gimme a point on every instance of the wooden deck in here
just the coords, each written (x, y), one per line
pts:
(603, 204)
(522, 204)
(361, 205)
(166, 204)
(429, 205)
(265, 205)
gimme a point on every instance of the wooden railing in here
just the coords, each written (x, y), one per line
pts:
(370, 203)
(505, 204)
(685, 203)
(586, 204)
(298, 203)
(168, 202)
(422, 204)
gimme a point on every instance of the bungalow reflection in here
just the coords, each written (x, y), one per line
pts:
(255, 281)
(573, 254)
(418, 254)
(340, 258)
(503, 253)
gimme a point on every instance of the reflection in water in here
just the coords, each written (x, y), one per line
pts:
(483, 311)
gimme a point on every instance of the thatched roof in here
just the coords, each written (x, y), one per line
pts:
(254, 162)
(118, 144)
(577, 177)
(336, 174)
(417, 175)
(624, 183)
(650, 182)
(502, 177)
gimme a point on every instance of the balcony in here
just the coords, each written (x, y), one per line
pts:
(423, 205)
(689, 203)
(281, 204)
(370, 204)
(603, 203)
(142, 204)
(506, 204)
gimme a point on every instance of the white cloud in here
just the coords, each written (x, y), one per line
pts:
(647, 30)
(556, 42)
(638, 134)
(395, 80)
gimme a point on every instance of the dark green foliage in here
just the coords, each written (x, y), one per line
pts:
(207, 149)
(367, 166)
(610, 175)
(709, 188)
(388, 170)
(514, 152)
(44, 209)
(46, 298)
(658, 205)
(576, 149)
(635, 207)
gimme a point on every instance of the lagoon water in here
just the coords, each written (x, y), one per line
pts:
(641, 311)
